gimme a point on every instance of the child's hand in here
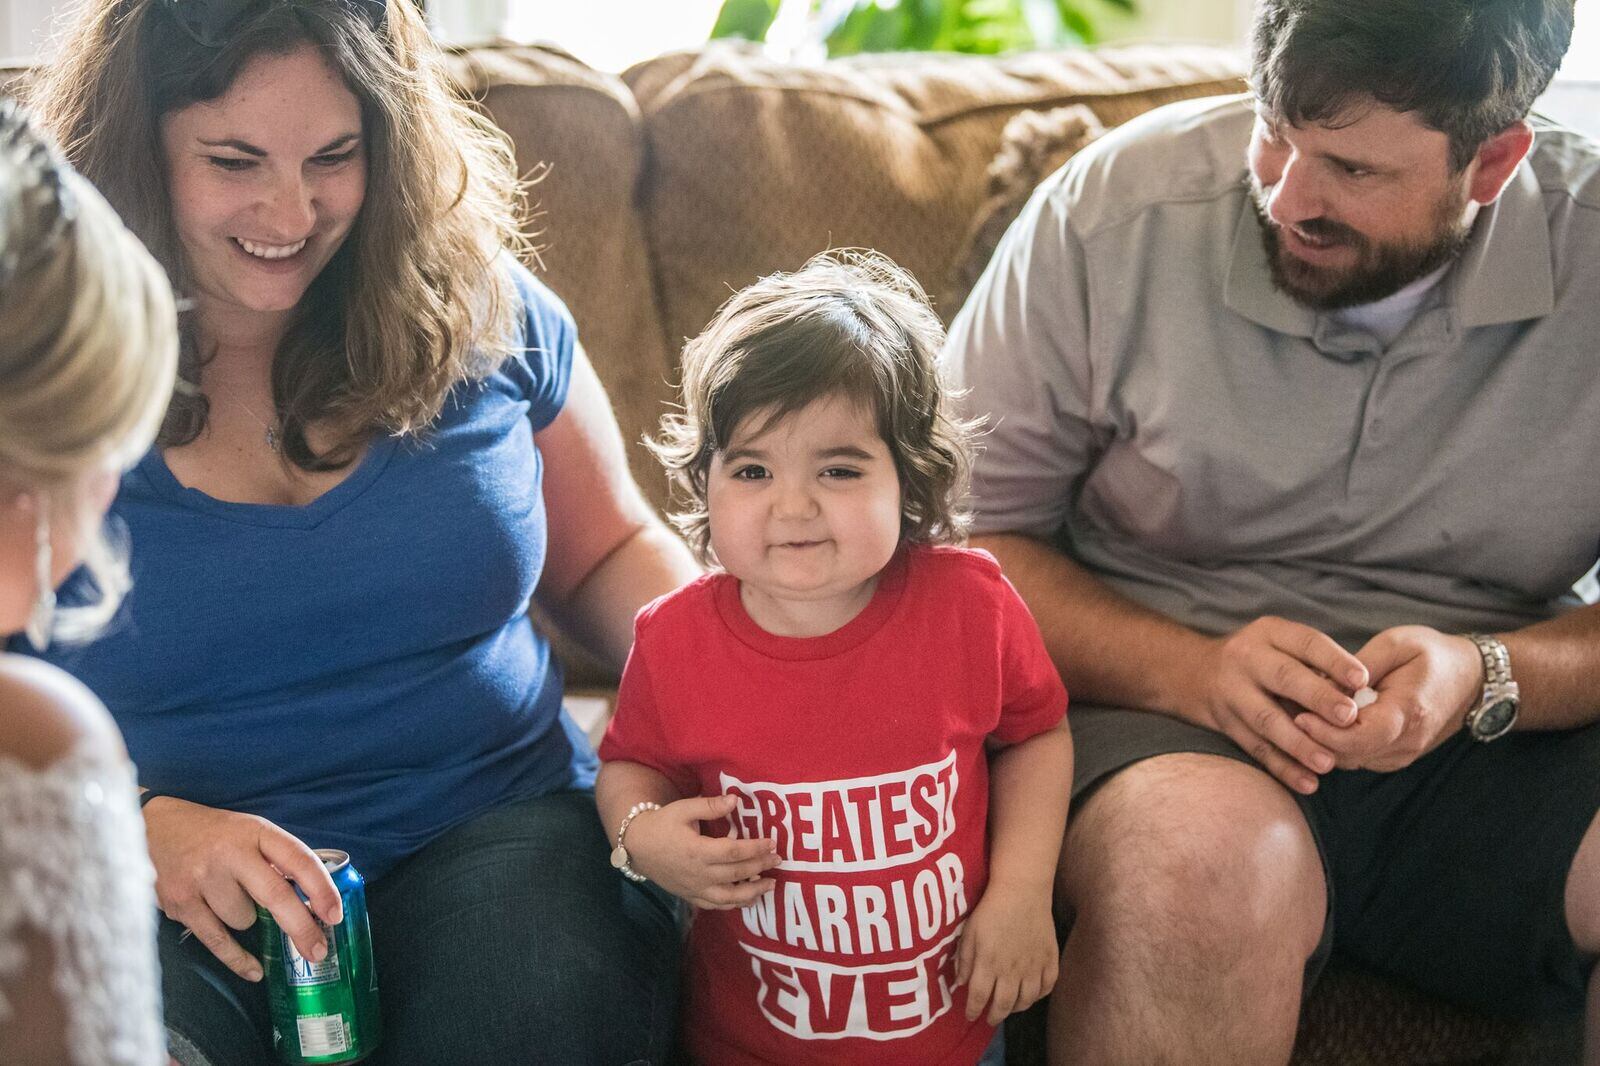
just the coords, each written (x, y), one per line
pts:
(1008, 957)
(711, 872)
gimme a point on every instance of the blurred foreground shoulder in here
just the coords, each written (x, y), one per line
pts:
(46, 714)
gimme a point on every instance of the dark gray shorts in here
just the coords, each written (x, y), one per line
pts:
(1450, 874)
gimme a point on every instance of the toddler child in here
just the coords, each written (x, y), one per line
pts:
(863, 717)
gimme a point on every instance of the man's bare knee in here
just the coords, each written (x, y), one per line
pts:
(1583, 892)
(1195, 854)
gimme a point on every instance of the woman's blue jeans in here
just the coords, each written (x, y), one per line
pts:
(509, 939)
(995, 1053)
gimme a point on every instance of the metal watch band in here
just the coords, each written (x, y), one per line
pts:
(1495, 712)
(1496, 659)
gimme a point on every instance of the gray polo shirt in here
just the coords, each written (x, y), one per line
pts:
(1217, 452)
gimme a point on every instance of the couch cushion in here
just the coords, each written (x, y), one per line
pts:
(756, 164)
(577, 130)
(1033, 146)
(1356, 1018)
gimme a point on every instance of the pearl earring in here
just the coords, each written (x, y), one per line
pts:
(43, 618)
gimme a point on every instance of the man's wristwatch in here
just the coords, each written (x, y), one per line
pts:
(1496, 710)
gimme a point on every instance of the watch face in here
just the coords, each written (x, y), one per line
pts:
(1494, 719)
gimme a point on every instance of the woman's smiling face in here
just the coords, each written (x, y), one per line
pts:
(266, 183)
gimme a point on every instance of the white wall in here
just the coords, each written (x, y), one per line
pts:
(23, 24)
(1209, 21)
(1228, 22)
(1573, 100)
(612, 34)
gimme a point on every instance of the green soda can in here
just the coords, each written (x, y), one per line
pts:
(324, 1012)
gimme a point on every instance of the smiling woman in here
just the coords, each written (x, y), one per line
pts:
(258, 222)
(388, 439)
(441, 209)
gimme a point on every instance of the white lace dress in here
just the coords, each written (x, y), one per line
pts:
(75, 877)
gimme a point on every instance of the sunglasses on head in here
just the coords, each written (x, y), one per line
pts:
(210, 22)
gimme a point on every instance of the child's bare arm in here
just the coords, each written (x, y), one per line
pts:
(621, 784)
(1008, 955)
(1030, 785)
(666, 845)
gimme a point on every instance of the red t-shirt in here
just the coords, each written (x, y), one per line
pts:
(862, 753)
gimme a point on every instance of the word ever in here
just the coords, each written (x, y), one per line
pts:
(815, 1001)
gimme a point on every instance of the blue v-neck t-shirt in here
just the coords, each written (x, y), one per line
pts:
(360, 671)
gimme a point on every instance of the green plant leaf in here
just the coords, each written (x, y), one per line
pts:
(1080, 19)
(923, 25)
(750, 19)
(1075, 21)
(985, 27)
(869, 28)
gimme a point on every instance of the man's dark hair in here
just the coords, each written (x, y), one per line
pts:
(1467, 68)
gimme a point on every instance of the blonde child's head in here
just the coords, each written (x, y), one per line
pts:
(848, 324)
(88, 353)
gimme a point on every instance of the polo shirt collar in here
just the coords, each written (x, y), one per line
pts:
(1250, 291)
(1505, 274)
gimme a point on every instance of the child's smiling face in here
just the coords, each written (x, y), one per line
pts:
(805, 513)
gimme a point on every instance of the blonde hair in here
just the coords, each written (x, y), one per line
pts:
(848, 323)
(415, 301)
(88, 347)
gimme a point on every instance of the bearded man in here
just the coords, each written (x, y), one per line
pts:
(1295, 417)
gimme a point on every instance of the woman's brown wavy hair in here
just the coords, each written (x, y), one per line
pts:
(413, 302)
(848, 323)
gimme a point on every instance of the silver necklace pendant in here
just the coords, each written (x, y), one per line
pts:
(272, 439)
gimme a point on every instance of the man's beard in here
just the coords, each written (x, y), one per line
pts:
(1380, 270)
